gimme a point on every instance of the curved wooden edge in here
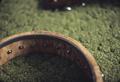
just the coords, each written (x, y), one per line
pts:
(95, 68)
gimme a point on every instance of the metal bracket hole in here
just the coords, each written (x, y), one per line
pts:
(21, 47)
(9, 51)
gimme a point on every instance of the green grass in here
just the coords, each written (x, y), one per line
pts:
(41, 68)
(98, 28)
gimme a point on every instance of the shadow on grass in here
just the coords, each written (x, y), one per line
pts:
(119, 80)
(55, 68)
(0, 0)
(62, 4)
(45, 68)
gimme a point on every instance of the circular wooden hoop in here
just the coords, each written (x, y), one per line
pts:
(20, 43)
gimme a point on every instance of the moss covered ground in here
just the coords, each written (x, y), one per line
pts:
(96, 27)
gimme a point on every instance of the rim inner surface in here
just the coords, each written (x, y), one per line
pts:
(46, 45)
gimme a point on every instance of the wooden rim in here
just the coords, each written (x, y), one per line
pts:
(97, 75)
